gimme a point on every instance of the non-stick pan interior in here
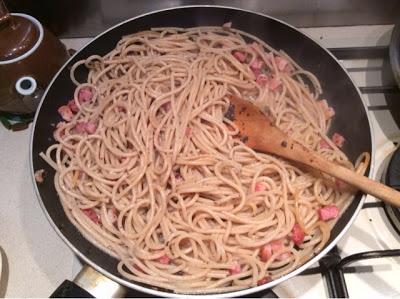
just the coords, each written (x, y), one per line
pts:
(351, 119)
(394, 52)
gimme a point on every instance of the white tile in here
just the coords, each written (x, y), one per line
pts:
(351, 36)
(362, 63)
(377, 99)
(367, 78)
(75, 43)
(37, 258)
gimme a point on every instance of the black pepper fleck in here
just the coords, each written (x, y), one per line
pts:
(244, 138)
(284, 144)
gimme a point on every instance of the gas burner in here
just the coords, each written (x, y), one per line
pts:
(392, 179)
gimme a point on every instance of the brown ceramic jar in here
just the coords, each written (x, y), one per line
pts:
(29, 57)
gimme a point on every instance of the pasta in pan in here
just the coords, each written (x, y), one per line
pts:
(150, 168)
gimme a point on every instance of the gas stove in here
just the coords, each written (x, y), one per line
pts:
(365, 263)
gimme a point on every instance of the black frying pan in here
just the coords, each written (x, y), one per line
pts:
(394, 53)
(351, 117)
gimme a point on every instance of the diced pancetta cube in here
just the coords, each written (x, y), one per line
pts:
(92, 215)
(164, 259)
(328, 212)
(281, 63)
(256, 64)
(297, 234)
(270, 248)
(39, 176)
(328, 111)
(65, 113)
(324, 144)
(259, 187)
(240, 56)
(264, 280)
(72, 105)
(85, 95)
(227, 25)
(235, 268)
(90, 128)
(338, 139)
(80, 127)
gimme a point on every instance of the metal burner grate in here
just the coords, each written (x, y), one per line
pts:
(333, 266)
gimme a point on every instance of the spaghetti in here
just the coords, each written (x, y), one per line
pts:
(150, 169)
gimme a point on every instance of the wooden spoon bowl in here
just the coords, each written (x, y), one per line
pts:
(258, 132)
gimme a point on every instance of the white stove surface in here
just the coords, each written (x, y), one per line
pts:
(34, 260)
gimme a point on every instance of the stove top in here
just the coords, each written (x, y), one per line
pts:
(365, 262)
(392, 178)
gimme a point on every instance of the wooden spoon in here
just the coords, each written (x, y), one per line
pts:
(260, 134)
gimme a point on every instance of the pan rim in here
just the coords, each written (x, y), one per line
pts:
(394, 53)
(243, 292)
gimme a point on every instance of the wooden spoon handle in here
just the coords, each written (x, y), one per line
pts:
(259, 133)
(363, 183)
(284, 146)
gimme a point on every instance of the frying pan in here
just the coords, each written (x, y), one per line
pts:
(351, 118)
(394, 53)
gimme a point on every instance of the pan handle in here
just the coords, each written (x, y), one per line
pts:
(89, 283)
(69, 289)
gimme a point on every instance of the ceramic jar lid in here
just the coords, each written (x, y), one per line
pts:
(17, 35)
